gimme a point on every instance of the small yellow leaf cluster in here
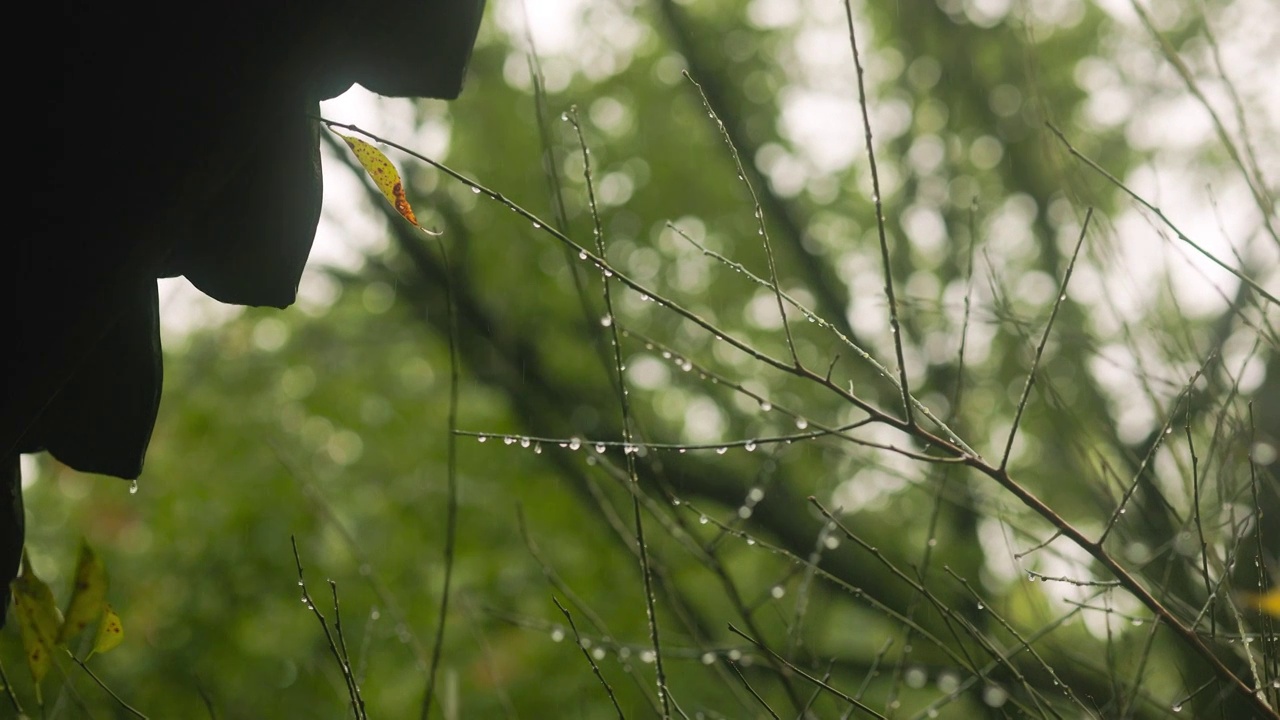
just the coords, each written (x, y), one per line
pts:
(45, 628)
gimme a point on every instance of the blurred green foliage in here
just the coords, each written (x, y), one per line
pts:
(332, 426)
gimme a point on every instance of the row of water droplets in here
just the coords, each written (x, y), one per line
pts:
(600, 650)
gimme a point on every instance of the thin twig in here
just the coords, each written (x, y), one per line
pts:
(843, 696)
(1204, 546)
(1044, 340)
(878, 201)
(451, 511)
(8, 691)
(759, 215)
(754, 694)
(594, 668)
(128, 708)
(625, 406)
(1160, 214)
(344, 665)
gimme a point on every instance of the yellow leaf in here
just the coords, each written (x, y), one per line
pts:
(89, 595)
(384, 175)
(38, 619)
(1268, 602)
(110, 631)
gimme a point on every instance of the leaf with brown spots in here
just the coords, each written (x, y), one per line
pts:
(384, 175)
(110, 631)
(88, 596)
(38, 619)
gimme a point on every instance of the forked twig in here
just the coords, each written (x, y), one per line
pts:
(759, 215)
(1160, 214)
(1044, 339)
(338, 649)
(819, 683)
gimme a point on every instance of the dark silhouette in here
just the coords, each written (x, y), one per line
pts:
(165, 140)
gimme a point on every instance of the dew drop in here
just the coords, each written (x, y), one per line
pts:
(750, 446)
(801, 423)
(606, 321)
(557, 634)
(537, 225)
(582, 255)
(766, 406)
(574, 443)
(702, 520)
(721, 450)
(777, 592)
(524, 442)
(482, 438)
(600, 449)
(133, 487)
(475, 190)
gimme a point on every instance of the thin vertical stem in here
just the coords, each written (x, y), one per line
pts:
(894, 326)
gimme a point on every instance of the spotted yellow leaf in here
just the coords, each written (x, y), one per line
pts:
(38, 619)
(88, 596)
(110, 631)
(383, 173)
